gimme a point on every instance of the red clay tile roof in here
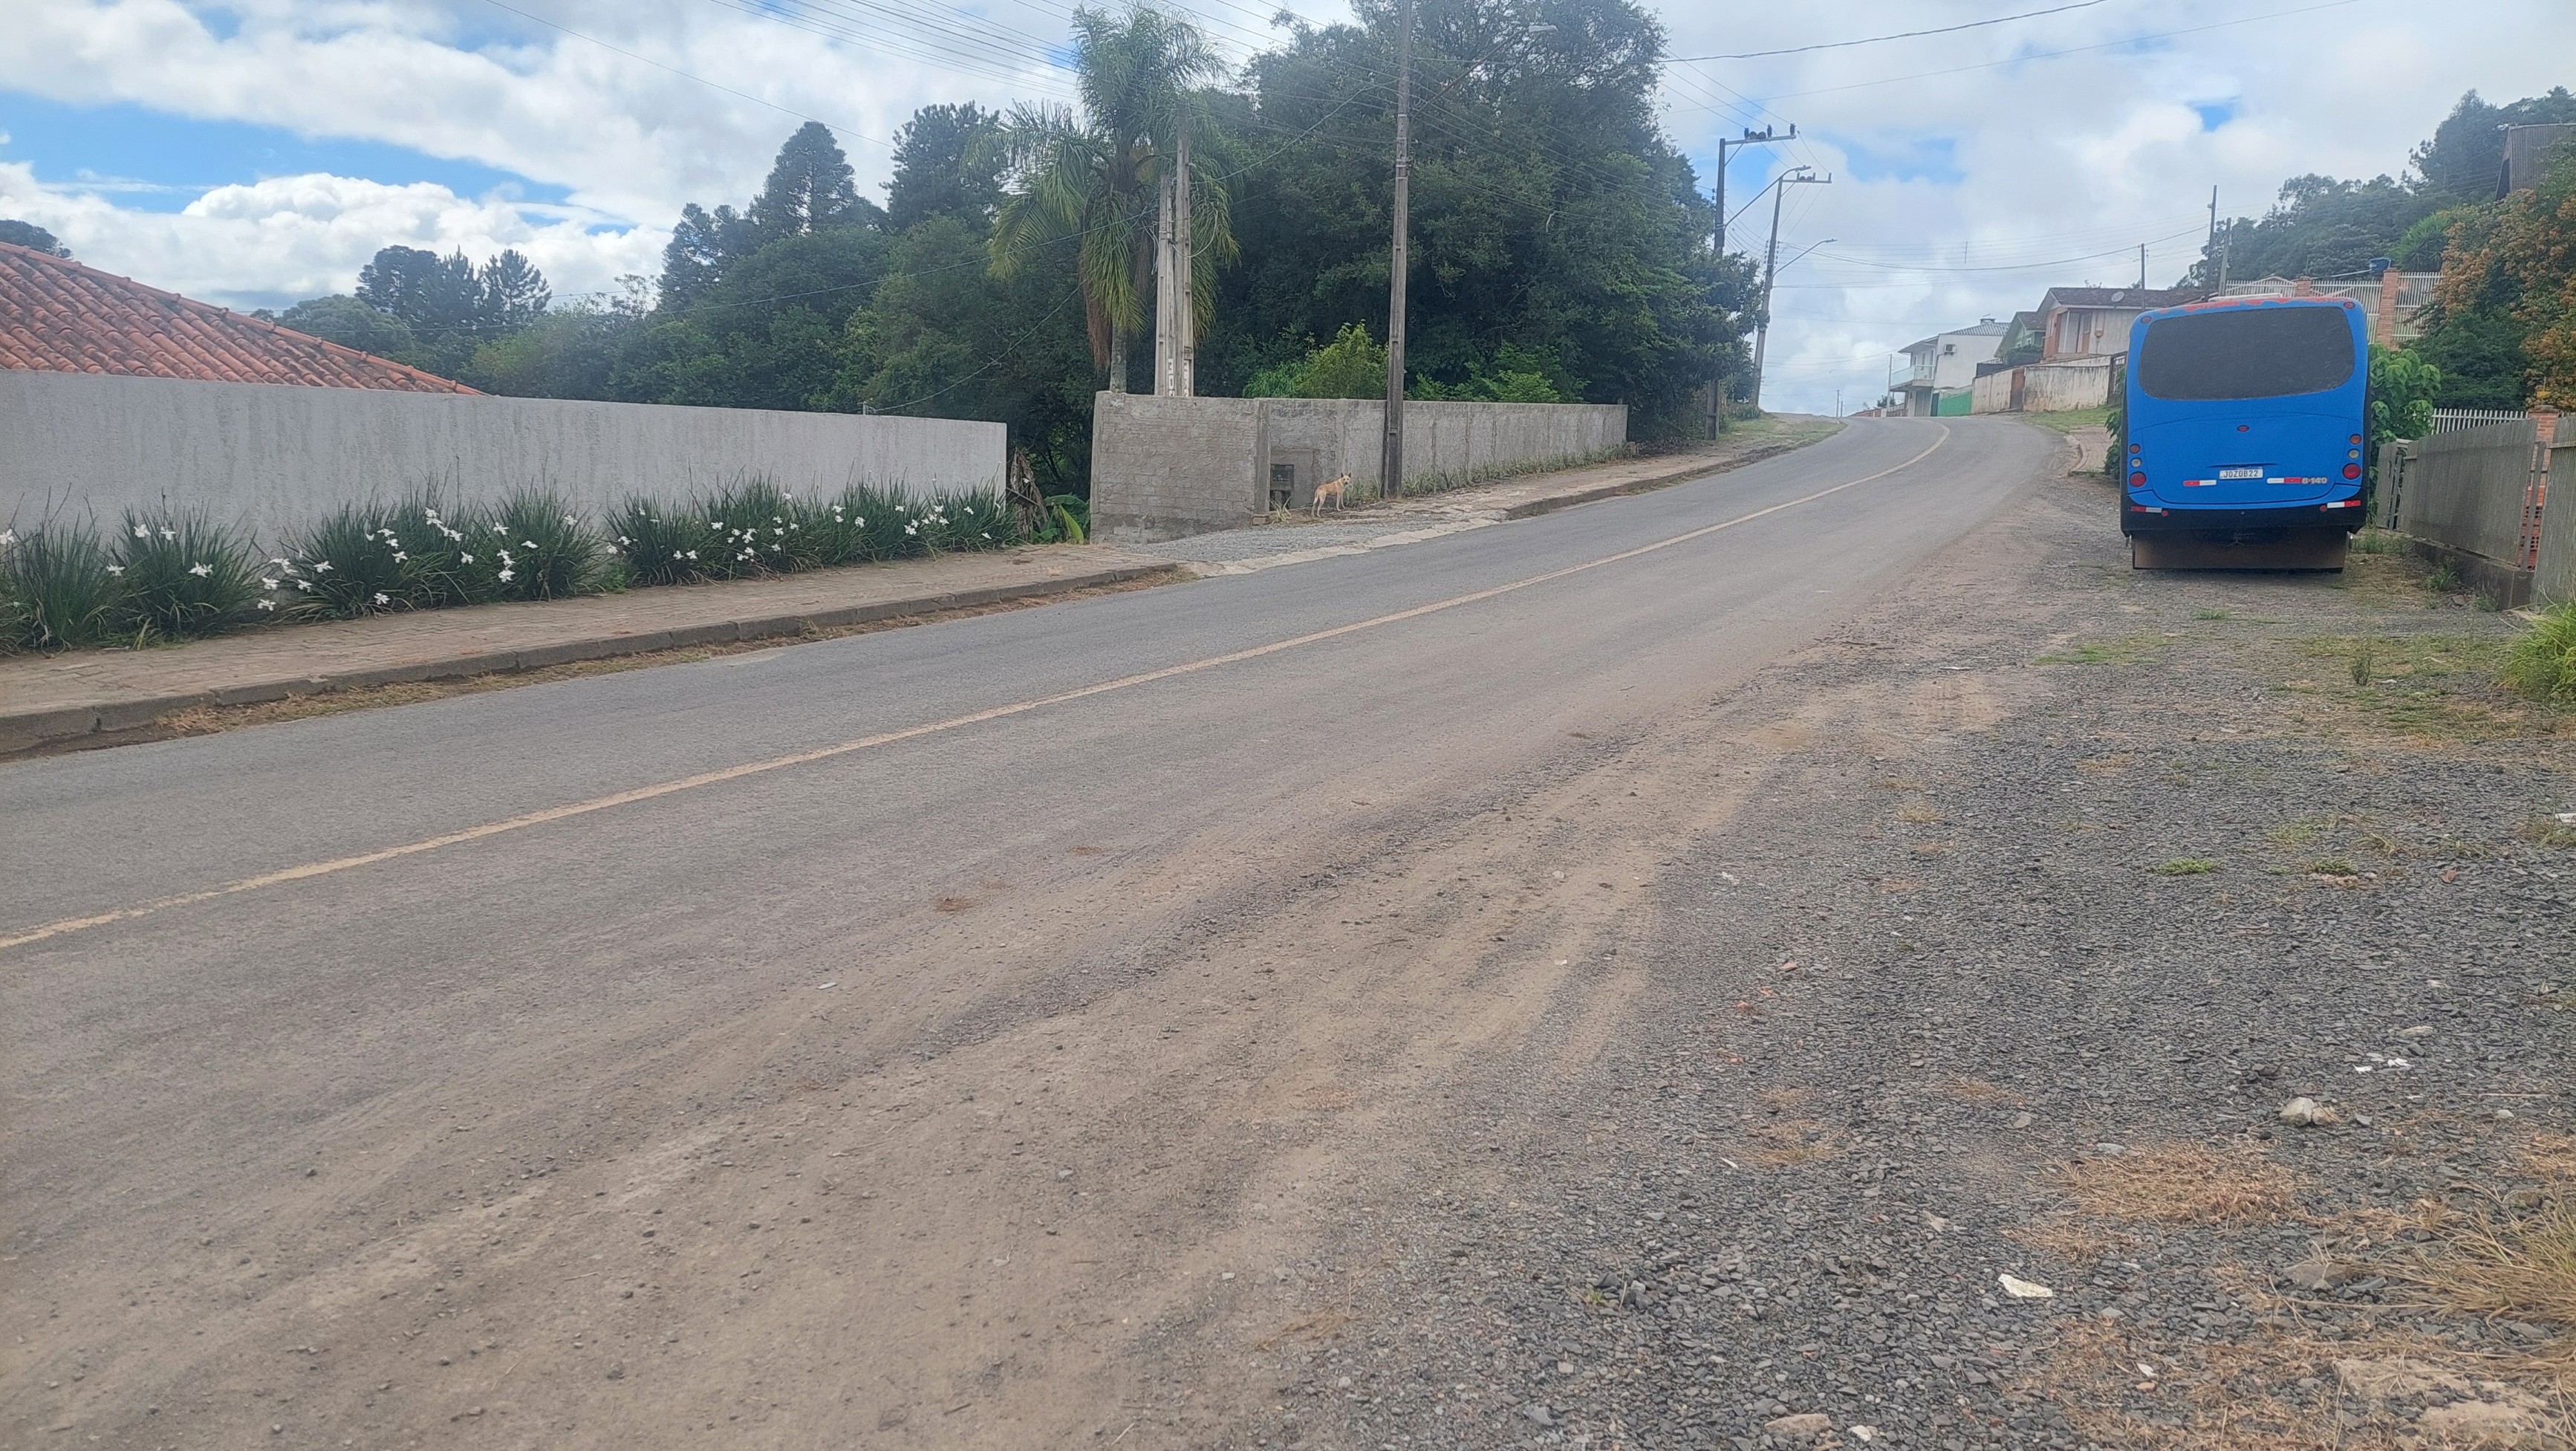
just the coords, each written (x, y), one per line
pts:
(58, 316)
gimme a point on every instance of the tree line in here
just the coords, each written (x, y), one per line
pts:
(2499, 326)
(1561, 247)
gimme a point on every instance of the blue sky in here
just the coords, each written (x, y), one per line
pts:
(259, 151)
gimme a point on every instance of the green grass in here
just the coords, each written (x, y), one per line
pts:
(2334, 866)
(2185, 866)
(2213, 614)
(2549, 831)
(2542, 664)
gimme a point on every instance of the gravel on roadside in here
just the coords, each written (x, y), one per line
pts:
(1952, 1114)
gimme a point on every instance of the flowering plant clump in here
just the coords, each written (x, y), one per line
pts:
(55, 589)
(441, 563)
(179, 576)
(541, 549)
(352, 564)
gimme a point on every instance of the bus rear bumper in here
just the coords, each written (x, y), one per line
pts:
(2342, 516)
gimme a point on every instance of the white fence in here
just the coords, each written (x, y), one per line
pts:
(272, 458)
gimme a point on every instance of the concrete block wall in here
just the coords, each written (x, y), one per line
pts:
(2554, 582)
(271, 458)
(1164, 467)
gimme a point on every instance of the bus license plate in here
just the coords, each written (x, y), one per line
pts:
(2240, 473)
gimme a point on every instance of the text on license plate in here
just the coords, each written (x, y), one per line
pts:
(2240, 473)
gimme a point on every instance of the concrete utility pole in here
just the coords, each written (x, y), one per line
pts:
(2209, 254)
(1801, 176)
(1391, 455)
(2142, 266)
(1175, 310)
(1717, 385)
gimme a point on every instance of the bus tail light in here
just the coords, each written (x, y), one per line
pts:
(2352, 471)
(2355, 440)
(2138, 480)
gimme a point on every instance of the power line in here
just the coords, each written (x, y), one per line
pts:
(1899, 35)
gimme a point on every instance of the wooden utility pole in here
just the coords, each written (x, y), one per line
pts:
(1391, 455)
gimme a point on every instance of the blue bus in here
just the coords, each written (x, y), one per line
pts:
(2244, 433)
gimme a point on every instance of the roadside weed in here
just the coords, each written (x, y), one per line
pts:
(2378, 541)
(2542, 664)
(2550, 830)
(181, 576)
(2213, 614)
(2125, 651)
(2362, 674)
(2184, 866)
(55, 588)
(2444, 578)
(2334, 866)
(2180, 1183)
(2296, 833)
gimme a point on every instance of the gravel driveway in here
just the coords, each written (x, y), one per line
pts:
(1951, 1111)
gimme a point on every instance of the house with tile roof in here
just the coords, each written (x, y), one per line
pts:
(59, 316)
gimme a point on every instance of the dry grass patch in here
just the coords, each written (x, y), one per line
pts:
(2072, 1241)
(1978, 1090)
(1917, 813)
(1791, 1141)
(2182, 1183)
(2506, 1266)
(2107, 765)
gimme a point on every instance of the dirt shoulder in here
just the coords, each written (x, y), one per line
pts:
(2050, 886)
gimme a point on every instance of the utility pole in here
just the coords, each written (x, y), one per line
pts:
(1801, 176)
(1391, 455)
(2142, 266)
(1717, 385)
(1175, 309)
(2209, 254)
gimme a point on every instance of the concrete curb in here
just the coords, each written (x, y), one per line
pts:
(27, 730)
(1531, 508)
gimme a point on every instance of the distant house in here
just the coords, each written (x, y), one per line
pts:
(1946, 363)
(2093, 322)
(2527, 154)
(58, 316)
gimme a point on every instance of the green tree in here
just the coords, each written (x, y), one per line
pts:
(947, 163)
(702, 243)
(2502, 326)
(343, 319)
(2402, 388)
(2461, 160)
(943, 338)
(810, 189)
(1096, 175)
(569, 351)
(27, 234)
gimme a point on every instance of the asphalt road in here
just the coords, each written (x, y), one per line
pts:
(1018, 1018)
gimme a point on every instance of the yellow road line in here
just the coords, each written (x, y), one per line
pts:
(310, 870)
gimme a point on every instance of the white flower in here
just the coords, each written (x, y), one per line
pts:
(715, 523)
(622, 539)
(168, 533)
(468, 558)
(8, 537)
(382, 598)
(910, 529)
(863, 523)
(305, 585)
(116, 569)
(268, 584)
(142, 531)
(692, 554)
(507, 576)
(571, 520)
(527, 544)
(268, 604)
(399, 556)
(322, 568)
(201, 571)
(675, 554)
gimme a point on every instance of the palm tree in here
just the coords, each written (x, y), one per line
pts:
(1094, 177)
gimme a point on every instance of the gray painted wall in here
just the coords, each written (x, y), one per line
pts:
(2555, 581)
(2465, 489)
(272, 458)
(1162, 467)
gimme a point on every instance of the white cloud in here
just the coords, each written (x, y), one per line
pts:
(295, 236)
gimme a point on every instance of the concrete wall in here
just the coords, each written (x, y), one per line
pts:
(272, 458)
(2062, 387)
(2554, 582)
(1162, 467)
(2466, 490)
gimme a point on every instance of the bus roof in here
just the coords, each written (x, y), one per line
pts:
(2227, 304)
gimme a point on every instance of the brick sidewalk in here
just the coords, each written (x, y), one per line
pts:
(46, 698)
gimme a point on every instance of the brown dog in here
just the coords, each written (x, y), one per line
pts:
(1333, 489)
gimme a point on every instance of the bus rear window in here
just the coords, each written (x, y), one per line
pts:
(2261, 352)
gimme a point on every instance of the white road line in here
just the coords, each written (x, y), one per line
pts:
(310, 870)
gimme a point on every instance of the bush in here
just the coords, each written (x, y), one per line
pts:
(2543, 663)
(181, 577)
(663, 546)
(440, 563)
(351, 564)
(55, 589)
(541, 550)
